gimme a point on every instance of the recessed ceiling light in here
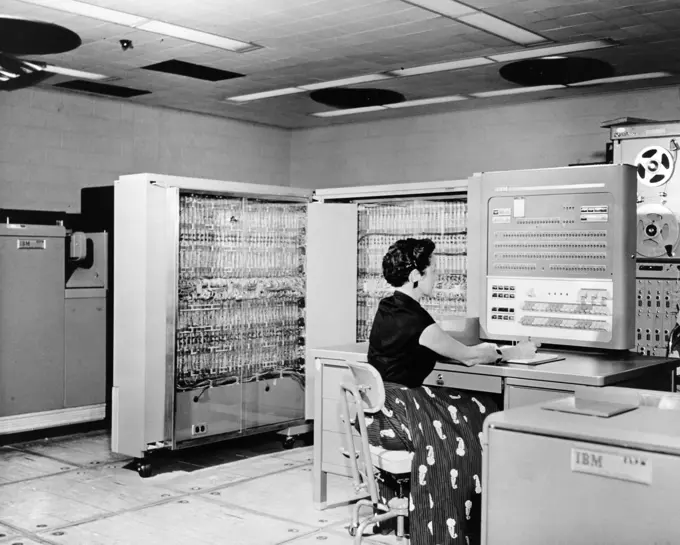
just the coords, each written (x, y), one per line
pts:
(517, 91)
(90, 10)
(73, 73)
(480, 20)
(617, 79)
(440, 67)
(449, 8)
(266, 94)
(196, 36)
(499, 27)
(34, 65)
(350, 111)
(426, 101)
(346, 81)
(536, 52)
(144, 23)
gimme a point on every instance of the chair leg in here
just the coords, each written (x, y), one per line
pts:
(355, 511)
(357, 530)
(382, 517)
(360, 531)
(400, 526)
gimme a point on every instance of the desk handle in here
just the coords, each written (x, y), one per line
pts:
(440, 380)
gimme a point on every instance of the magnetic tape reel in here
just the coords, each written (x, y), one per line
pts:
(657, 231)
(655, 166)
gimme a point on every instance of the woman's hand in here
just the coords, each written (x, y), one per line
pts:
(524, 350)
(484, 353)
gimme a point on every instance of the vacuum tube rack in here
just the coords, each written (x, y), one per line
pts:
(381, 224)
(241, 291)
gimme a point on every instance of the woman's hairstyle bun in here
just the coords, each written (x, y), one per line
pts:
(404, 256)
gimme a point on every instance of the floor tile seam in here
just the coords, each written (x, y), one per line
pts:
(54, 474)
(282, 453)
(106, 515)
(127, 459)
(245, 479)
(176, 497)
(298, 536)
(37, 538)
(21, 444)
(22, 533)
(64, 461)
(88, 467)
(38, 477)
(230, 505)
(99, 466)
(272, 455)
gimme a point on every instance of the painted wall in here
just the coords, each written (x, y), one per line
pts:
(454, 145)
(53, 144)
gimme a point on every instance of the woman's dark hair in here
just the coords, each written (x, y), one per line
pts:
(405, 256)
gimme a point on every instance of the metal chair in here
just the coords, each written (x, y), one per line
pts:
(366, 395)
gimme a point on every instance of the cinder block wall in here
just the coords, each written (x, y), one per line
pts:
(454, 145)
(53, 144)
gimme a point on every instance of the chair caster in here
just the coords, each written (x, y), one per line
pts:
(144, 469)
(352, 530)
(288, 443)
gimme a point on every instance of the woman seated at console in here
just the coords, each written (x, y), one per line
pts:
(441, 426)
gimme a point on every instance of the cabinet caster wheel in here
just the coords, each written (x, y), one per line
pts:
(144, 469)
(352, 530)
(289, 443)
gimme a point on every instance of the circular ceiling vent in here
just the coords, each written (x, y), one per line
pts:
(25, 37)
(345, 98)
(555, 71)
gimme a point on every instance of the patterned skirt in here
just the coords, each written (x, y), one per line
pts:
(443, 428)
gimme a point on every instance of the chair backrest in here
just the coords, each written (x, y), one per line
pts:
(365, 394)
(370, 386)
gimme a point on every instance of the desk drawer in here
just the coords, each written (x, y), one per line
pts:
(521, 396)
(331, 443)
(465, 381)
(333, 410)
(334, 374)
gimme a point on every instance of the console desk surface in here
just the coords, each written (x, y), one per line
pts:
(517, 385)
(578, 368)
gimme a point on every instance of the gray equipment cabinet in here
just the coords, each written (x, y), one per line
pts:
(52, 329)
(208, 312)
(558, 477)
(85, 326)
(31, 324)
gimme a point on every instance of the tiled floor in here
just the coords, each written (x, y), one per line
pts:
(73, 491)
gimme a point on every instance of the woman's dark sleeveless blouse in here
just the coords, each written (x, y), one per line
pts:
(394, 348)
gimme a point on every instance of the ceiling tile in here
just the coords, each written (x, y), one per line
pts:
(307, 41)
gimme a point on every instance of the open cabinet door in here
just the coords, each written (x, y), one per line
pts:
(331, 282)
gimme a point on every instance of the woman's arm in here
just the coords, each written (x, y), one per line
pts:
(434, 338)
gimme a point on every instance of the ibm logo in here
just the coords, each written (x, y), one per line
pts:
(588, 459)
